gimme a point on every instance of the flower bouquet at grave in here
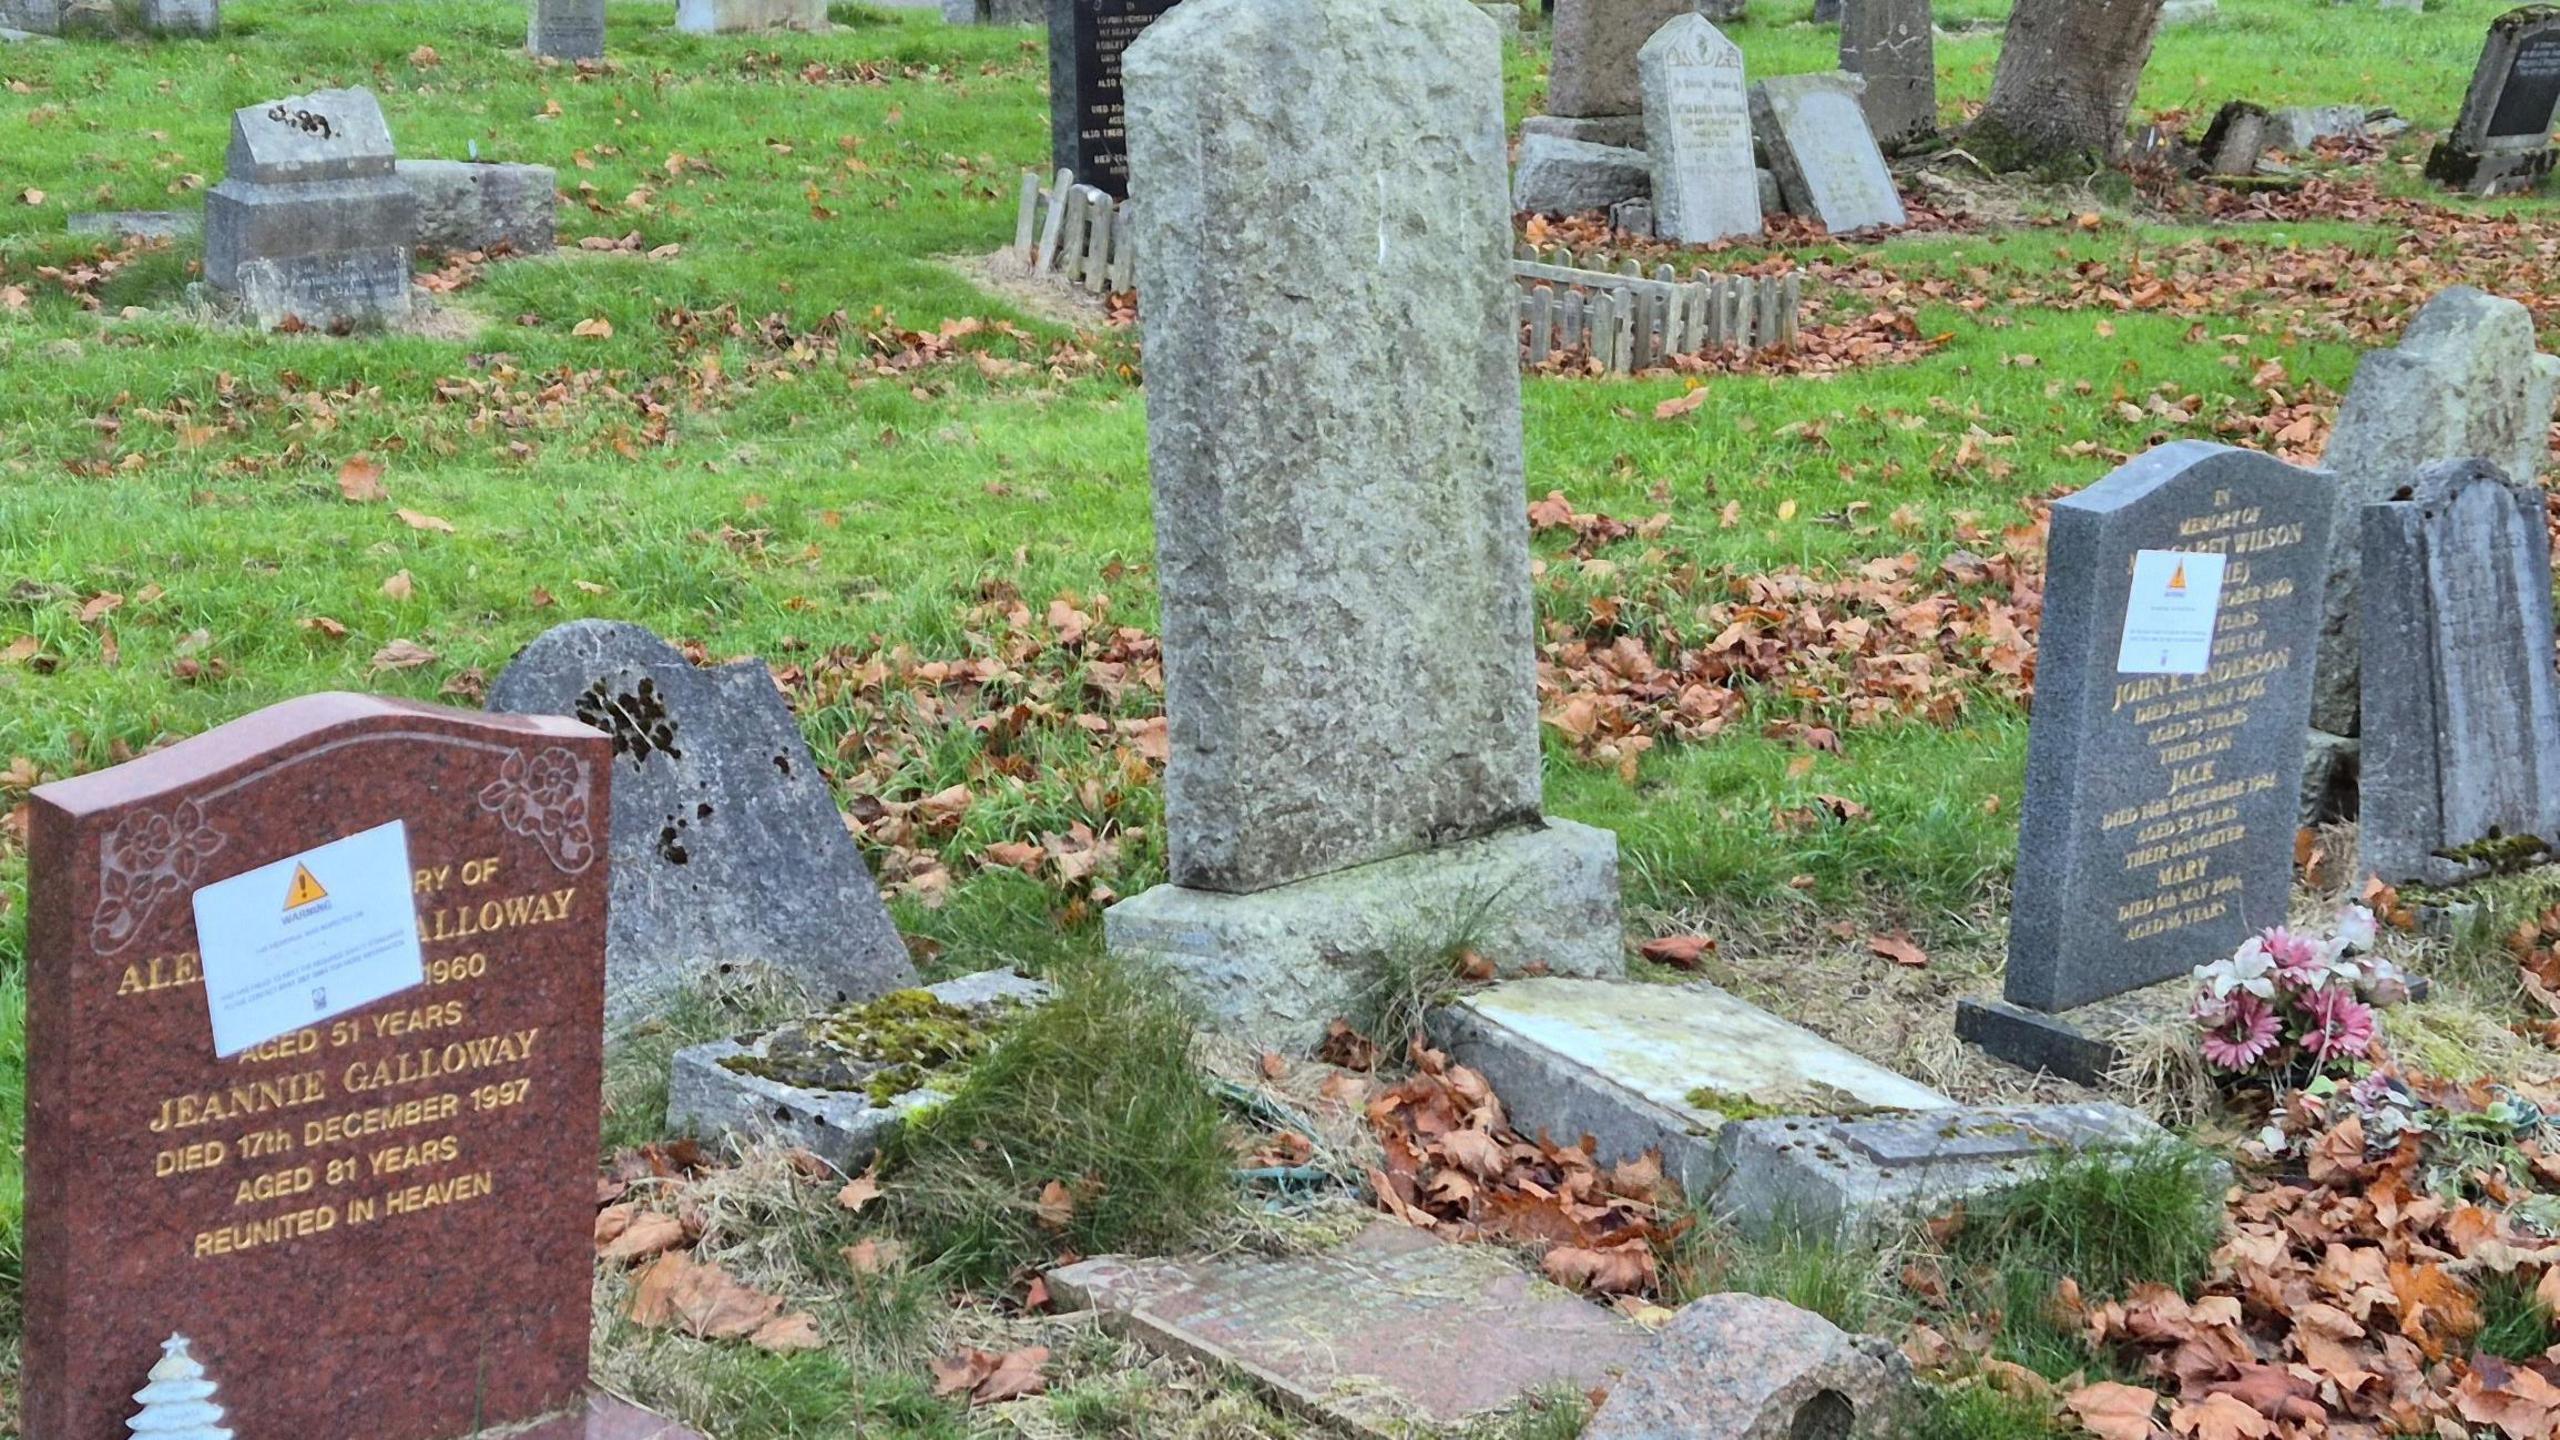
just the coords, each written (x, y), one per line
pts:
(2290, 1005)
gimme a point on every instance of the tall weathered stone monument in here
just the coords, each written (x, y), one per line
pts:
(728, 849)
(2462, 725)
(2501, 141)
(1340, 526)
(1697, 120)
(1893, 46)
(1087, 131)
(2173, 678)
(2464, 381)
(310, 221)
(377, 1221)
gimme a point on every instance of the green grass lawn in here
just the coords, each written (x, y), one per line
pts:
(766, 457)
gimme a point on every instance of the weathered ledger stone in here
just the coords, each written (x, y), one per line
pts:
(464, 205)
(1697, 115)
(2501, 141)
(310, 221)
(1823, 154)
(2158, 826)
(380, 1225)
(1341, 543)
(566, 29)
(2464, 381)
(1893, 46)
(727, 847)
(2462, 726)
(1088, 132)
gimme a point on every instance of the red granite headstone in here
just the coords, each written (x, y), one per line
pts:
(376, 1228)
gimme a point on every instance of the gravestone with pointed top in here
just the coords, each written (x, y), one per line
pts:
(1697, 115)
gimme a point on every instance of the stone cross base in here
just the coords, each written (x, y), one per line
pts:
(1274, 966)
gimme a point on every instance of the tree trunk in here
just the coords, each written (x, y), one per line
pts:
(2064, 91)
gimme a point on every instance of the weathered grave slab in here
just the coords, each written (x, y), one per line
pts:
(1566, 177)
(565, 29)
(2500, 143)
(1746, 1367)
(1893, 46)
(465, 205)
(2300, 127)
(728, 848)
(195, 18)
(2158, 826)
(1697, 114)
(743, 17)
(1335, 1336)
(1311, 587)
(1088, 126)
(1641, 1067)
(2465, 381)
(1845, 1178)
(2462, 726)
(378, 1225)
(1823, 154)
(138, 224)
(1593, 68)
(310, 222)
(749, 1090)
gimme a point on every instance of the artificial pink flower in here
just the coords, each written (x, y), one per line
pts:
(2340, 1025)
(2299, 959)
(2246, 1034)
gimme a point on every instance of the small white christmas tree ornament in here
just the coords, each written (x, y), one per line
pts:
(178, 1403)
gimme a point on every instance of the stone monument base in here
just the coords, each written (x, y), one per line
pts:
(604, 1417)
(2471, 172)
(1277, 964)
(2080, 1045)
(1625, 132)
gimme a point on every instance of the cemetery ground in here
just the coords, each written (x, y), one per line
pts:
(759, 404)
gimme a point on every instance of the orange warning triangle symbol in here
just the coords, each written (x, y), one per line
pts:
(2178, 579)
(306, 888)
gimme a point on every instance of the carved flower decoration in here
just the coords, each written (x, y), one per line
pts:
(544, 796)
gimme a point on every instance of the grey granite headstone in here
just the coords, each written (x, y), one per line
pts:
(2500, 143)
(2464, 381)
(467, 206)
(565, 29)
(1893, 45)
(727, 847)
(736, 17)
(36, 17)
(2158, 825)
(1088, 132)
(1338, 514)
(1565, 177)
(1697, 115)
(1823, 154)
(310, 222)
(2462, 728)
(196, 18)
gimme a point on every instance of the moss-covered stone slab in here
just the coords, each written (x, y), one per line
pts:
(837, 1083)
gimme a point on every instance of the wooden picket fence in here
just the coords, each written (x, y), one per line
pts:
(1632, 321)
(1077, 232)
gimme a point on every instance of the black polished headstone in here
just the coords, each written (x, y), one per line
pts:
(2501, 142)
(1086, 135)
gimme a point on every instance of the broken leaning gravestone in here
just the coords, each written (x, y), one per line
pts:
(1312, 585)
(2465, 381)
(411, 1178)
(1893, 46)
(1697, 116)
(837, 1084)
(1332, 1335)
(728, 849)
(2462, 728)
(1823, 154)
(310, 221)
(1746, 1367)
(2500, 143)
(2172, 690)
